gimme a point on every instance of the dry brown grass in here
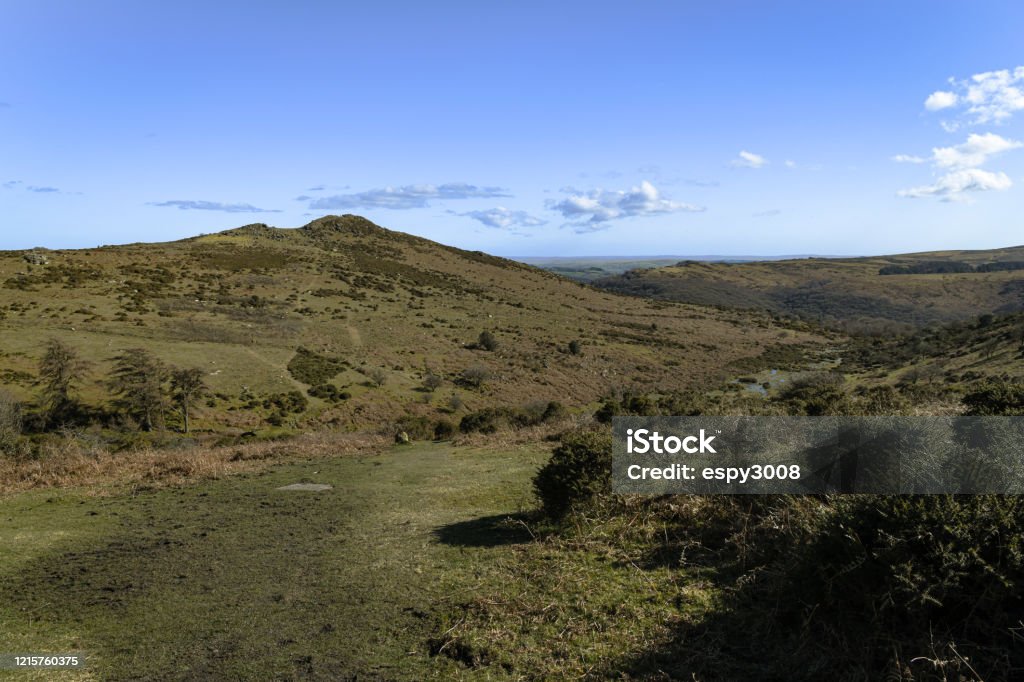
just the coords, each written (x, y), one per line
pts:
(72, 463)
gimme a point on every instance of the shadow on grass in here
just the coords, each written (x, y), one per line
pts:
(487, 531)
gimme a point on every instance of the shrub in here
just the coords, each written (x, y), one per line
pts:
(432, 382)
(487, 341)
(883, 401)
(10, 423)
(378, 377)
(443, 430)
(575, 347)
(817, 395)
(996, 398)
(291, 402)
(580, 469)
(417, 427)
(329, 393)
(475, 377)
(314, 369)
(490, 419)
(925, 569)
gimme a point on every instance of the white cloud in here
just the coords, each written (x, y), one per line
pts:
(504, 219)
(749, 160)
(907, 158)
(954, 186)
(790, 163)
(989, 97)
(974, 152)
(589, 211)
(941, 100)
(960, 165)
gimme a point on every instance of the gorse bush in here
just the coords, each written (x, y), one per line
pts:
(444, 430)
(487, 341)
(882, 586)
(817, 395)
(995, 398)
(314, 369)
(329, 392)
(490, 419)
(580, 469)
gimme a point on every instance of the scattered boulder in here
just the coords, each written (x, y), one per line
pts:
(36, 257)
(402, 438)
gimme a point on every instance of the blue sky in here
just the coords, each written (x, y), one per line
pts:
(527, 128)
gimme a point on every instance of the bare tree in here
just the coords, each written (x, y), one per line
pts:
(432, 382)
(378, 376)
(187, 387)
(138, 380)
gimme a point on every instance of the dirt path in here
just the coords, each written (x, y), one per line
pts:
(354, 336)
(235, 579)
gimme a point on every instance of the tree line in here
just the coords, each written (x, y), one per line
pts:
(141, 385)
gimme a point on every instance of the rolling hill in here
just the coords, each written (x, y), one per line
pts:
(366, 314)
(857, 294)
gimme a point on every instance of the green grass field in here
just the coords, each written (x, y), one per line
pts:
(234, 579)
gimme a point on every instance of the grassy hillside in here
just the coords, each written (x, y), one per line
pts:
(848, 292)
(372, 313)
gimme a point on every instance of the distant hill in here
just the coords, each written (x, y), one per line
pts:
(960, 352)
(592, 268)
(857, 294)
(365, 314)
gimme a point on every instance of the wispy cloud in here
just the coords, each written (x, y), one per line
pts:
(989, 97)
(954, 186)
(408, 196)
(771, 213)
(193, 205)
(908, 158)
(37, 189)
(589, 211)
(5, 105)
(749, 160)
(701, 183)
(504, 219)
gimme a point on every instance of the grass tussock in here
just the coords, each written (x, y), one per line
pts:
(71, 462)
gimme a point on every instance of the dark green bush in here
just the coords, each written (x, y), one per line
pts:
(444, 430)
(817, 395)
(579, 469)
(996, 398)
(314, 369)
(329, 392)
(291, 402)
(487, 341)
(490, 419)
